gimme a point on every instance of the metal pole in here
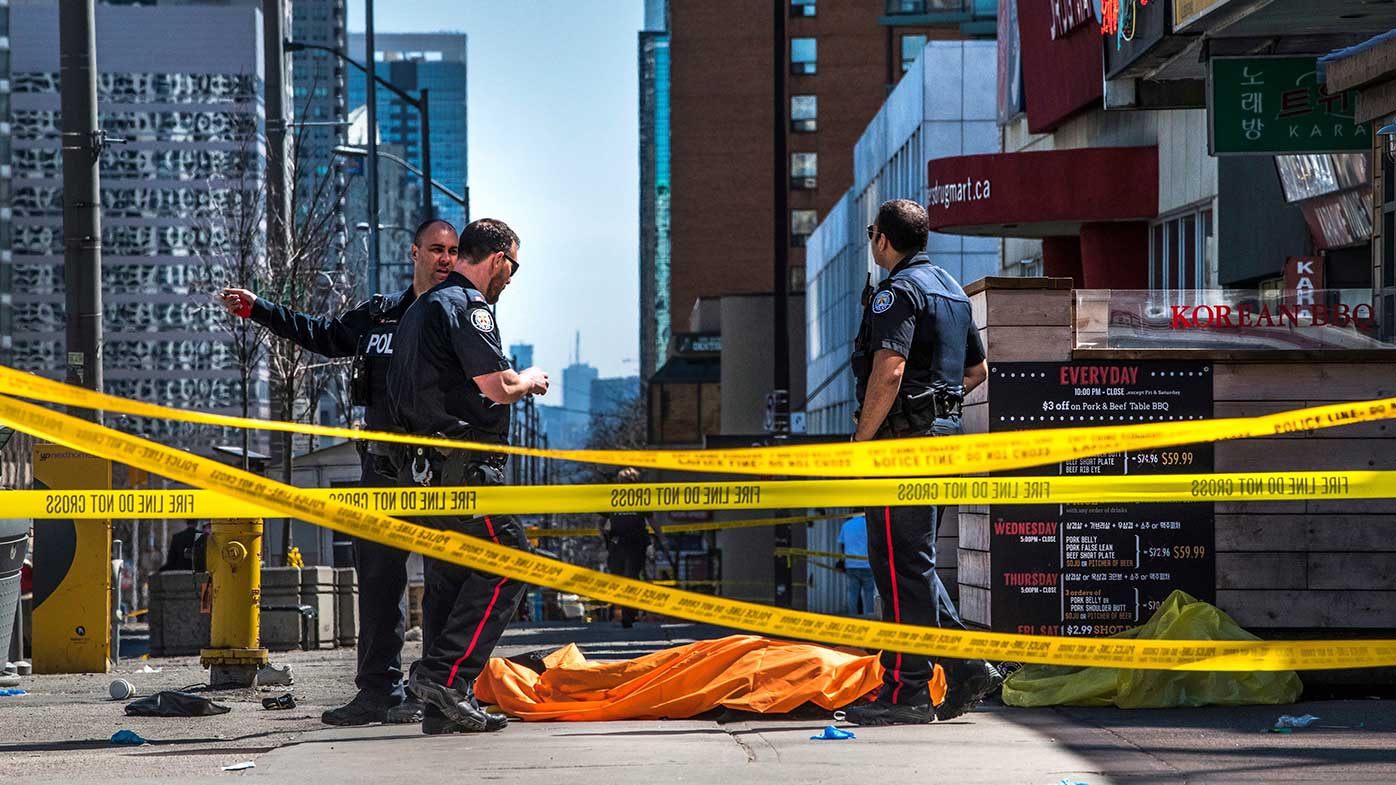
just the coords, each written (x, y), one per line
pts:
(428, 211)
(82, 205)
(274, 77)
(278, 191)
(371, 72)
(784, 588)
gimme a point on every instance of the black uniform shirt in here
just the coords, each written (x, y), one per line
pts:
(628, 526)
(921, 313)
(443, 342)
(366, 330)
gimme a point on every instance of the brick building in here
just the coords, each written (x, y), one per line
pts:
(843, 58)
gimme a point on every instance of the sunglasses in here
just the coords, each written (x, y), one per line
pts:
(513, 265)
(873, 231)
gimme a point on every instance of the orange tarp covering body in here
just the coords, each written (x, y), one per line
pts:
(742, 672)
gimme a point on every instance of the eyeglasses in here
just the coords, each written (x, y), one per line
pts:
(513, 265)
(873, 231)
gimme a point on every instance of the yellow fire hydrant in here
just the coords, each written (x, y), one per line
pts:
(234, 561)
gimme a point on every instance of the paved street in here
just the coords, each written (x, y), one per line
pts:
(59, 733)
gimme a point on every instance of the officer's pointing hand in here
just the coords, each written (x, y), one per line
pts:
(237, 301)
(537, 379)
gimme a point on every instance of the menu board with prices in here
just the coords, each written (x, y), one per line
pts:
(1098, 569)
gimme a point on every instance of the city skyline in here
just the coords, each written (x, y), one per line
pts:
(557, 158)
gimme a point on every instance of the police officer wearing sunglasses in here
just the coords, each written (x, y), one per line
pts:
(450, 378)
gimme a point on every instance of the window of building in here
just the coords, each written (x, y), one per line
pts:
(804, 170)
(802, 7)
(802, 225)
(804, 113)
(911, 49)
(897, 7)
(1180, 251)
(804, 54)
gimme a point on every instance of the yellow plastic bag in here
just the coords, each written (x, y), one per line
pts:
(1180, 617)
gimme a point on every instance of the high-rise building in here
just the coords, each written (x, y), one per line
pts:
(655, 316)
(6, 189)
(841, 60)
(417, 61)
(319, 90)
(943, 106)
(190, 111)
(522, 354)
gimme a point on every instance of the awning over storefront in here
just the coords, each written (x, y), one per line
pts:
(1042, 194)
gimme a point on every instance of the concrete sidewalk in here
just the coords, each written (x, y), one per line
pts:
(59, 733)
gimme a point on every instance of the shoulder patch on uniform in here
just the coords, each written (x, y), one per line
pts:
(481, 318)
(474, 296)
(882, 301)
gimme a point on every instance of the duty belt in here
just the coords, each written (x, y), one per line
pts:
(915, 415)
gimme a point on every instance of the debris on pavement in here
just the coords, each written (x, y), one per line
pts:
(247, 764)
(284, 701)
(128, 737)
(1291, 721)
(170, 703)
(10, 692)
(830, 733)
(275, 676)
(121, 689)
(147, 669)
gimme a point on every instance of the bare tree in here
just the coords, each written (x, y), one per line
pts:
(622, 430)
(309, 275)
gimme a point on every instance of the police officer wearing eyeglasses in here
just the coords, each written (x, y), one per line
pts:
(450, 378)
(367, 334)
(916, 356)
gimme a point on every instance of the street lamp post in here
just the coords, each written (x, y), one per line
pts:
(420, 103)
(358, 152)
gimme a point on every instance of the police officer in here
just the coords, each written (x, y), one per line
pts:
(627, 540)
(449, 377)
(366, 333)
(916, 356)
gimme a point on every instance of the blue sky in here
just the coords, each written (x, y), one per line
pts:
(553, 146)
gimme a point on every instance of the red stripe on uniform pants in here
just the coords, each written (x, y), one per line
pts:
(896, 600)
(488, 609)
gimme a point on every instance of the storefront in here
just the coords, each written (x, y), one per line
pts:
(1061, 357)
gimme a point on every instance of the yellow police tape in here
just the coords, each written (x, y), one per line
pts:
(969, 454)
(262, 493)
(751, 495)
(687, 528)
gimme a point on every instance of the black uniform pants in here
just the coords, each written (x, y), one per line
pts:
(382, 599)
(626, 557)
(464, 612)
(902, 554)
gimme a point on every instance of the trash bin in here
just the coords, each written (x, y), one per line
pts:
(14, 546)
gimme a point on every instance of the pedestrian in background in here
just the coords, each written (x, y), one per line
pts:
(627, 536)
(853, 543)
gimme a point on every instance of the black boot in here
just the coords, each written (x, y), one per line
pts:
(405, 713)
(967, 683)
(883, 713)
(457, 706)
(365, 708)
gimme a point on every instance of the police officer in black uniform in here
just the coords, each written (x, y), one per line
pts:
(366, 333)
(449, 377)
(916, 356)
(627, 536)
